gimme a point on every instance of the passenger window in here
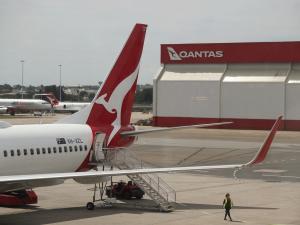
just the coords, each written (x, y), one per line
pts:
(70, 148)
(5, 153)
(54, 149)
(31, 151)
(18, 152)
(43, 150)
(85, 147)
(49, 150)
(25, 151)
(38, 151)
(12, 153)
(80, 147)
(66, 148)
(75, 148)
(59, 149)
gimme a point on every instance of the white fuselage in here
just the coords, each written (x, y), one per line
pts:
(70, 106)
(26, 104)
(3, 109)
(47, 148)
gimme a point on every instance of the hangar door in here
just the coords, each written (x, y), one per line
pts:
(292, 99)
(189, 91)
(254, 91)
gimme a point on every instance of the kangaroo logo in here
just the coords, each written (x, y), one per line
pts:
(173, 54)
(114, 104)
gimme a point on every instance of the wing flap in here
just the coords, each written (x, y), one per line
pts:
(95, 174)
(162, 129)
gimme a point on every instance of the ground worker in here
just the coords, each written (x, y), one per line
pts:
(227, 205)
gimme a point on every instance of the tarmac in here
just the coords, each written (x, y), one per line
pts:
(266, 194)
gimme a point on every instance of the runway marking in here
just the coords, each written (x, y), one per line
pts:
(271, 175)
(217, 156)
(269, 171)
(205, 213)
(191, 172)
(280, 224)
(189, 156)
(211, 143)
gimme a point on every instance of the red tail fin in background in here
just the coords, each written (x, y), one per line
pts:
(52, 99)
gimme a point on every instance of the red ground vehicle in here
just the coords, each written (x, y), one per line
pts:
(121, 190)
(18, 198)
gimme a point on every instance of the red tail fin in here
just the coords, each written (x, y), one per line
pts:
(111, 108)
(115, 97)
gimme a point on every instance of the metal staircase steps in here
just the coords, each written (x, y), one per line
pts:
(153, 185)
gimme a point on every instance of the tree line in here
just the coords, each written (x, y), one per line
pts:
(83, 93)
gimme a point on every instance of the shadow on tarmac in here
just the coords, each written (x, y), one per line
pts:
(185, 206)
(39, 216)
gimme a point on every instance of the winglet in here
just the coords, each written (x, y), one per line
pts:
(263, 151)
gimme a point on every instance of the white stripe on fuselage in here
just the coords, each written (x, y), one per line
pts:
(20, 137)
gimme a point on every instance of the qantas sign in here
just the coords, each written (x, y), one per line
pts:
(193, 54)
(248, 52)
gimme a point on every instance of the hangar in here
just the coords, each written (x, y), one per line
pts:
(248, 83)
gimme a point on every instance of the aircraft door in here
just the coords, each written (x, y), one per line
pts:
(98, 147)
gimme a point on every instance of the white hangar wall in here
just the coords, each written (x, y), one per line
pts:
(189, 90)
(292, 99)
(250, 84)
(253, 91)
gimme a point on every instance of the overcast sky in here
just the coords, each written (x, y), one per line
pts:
(85, 36)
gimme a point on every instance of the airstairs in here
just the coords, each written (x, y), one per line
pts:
(153, 185)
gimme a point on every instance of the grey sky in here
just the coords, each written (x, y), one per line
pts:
(85, 36)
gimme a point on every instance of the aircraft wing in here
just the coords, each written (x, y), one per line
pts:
(161, 129)
(26, 179)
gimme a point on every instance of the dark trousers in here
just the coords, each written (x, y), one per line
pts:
(227, 213)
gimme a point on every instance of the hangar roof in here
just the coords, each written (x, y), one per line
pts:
(209, 72)
(294, 77)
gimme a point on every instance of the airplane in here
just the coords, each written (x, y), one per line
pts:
(12, 106)
(72, 107)
(47, 154)
(62, 107)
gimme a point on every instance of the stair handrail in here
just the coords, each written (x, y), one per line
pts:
(131, 161)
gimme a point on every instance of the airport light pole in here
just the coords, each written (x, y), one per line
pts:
(60, 82)
(22, 64)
